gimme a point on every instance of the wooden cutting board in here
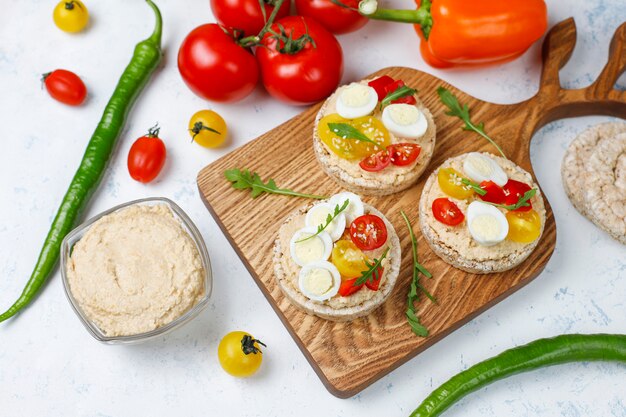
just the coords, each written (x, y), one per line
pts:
(350, 356)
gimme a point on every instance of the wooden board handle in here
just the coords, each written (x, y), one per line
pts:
(605, 83)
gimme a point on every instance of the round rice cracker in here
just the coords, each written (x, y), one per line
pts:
(461, 257)
(323, 310)
(573, 167)
(393, 179)
(605, 186)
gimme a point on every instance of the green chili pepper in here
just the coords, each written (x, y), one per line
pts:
(537, 354)
(146, 58)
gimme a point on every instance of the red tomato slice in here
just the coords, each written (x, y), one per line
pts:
(402, 154)
(390, 88)
(405, 100)
(447, 212)
(495, 194)
(513, 190)
(376, 162)
(368, 232)
(375, 283)
(348, 288)
(379, 85)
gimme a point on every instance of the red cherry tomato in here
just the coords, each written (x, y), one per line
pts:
(147, 157)
(300, 76)
(65, 86)
(215, 67)
(495, 194)
(334, 18)
(402, 154)
(376, 162)
(405, 100)
(447, 212)
(375, 283)
(513, 190)
(390, 88)
(380, 84)
(368, 232)
(348, 288)
(246, 15)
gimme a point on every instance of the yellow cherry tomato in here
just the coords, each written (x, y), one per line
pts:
(348, 148)
(240, 354)
(71, 16)
(524, 226)
(349, 259)
(208, 129)
(450, 182)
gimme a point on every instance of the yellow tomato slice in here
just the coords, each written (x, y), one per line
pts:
(450, 182)
(351, 148)
(524, 226)
(349, 260)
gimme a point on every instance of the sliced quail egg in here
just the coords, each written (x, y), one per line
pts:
(319, 281)
(355, 206)
(356, 100)
(305, 251)
(404, 120)
(317, 216)
(481, 168)
(487, 225)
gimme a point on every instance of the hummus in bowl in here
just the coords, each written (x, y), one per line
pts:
(136, 271)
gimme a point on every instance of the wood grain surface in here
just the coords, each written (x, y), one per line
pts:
(350, 356)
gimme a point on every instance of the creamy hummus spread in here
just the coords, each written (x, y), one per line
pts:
(135, 270)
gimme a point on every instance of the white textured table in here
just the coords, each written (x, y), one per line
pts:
(49, 364)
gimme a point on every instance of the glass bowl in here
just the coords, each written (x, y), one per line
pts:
(76, 234)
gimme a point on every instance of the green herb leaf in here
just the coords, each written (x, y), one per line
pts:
(398, 93)
(243, 179)
(522, 202)
(474, 186)
(345, 131)
(372, 274)
(462, 112)
(413, 294)
(329, 220)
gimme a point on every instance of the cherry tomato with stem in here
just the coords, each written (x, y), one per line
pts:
(215, 67)
(301, 62)
(447, 212)
(147, 156)
(334, 18)
(246, 15)
(208, 129)
(368, 232)
(240, 354)
(70, 16)
(65, 86)
(402, 154)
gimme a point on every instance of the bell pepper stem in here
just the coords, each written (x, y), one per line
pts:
(421, 16)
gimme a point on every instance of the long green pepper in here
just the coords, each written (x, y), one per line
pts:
(146, 58)
(537, 354)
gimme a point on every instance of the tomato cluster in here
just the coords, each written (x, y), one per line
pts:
(297, 58)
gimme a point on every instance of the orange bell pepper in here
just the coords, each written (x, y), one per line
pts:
(464, 32)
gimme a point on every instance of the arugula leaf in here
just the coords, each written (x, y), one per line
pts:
(462, 112)
(474, 186)
(329, 220)
(413, 294)
(345, 131)
(522, 202)
(243, 179)
(372, 273)
(398, 93)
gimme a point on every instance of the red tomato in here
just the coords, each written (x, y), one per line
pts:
(495, 194)
(405, 100)
(334, 18)
(513, 190)
(246, 15)
(147, 157)
(380, 84)
(376, 162)
(391, 87)
(375, 283)
(298, 72)
(368, 232)
(348, 288)
(215, 67)
(447, 212)
(65, 86)
(402, 154)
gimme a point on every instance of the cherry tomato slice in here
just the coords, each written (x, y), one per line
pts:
(405, 100)
(390, 88)
(513, 190)
(368, 232)
(379, 84)
(447, 212)
(376, 162)
(402, 154)
(375, 283)
(348, 288)
(524, 227)
(495, 194)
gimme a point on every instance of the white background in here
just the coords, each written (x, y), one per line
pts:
(49, 364)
